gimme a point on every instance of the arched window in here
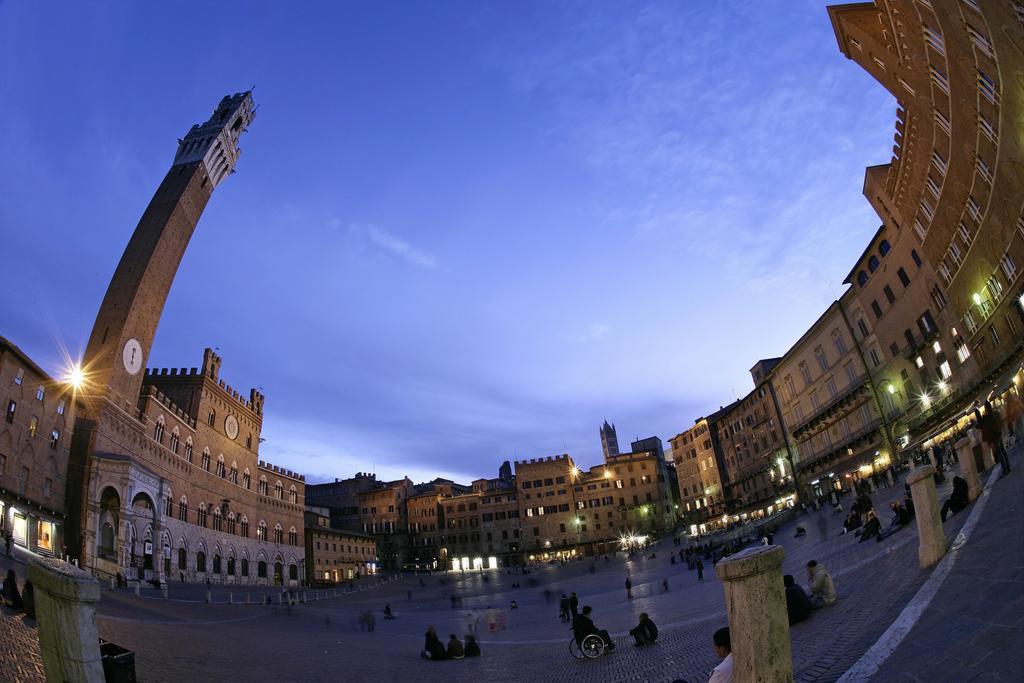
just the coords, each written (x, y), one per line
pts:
(220, 466)
(234, 473)
(245, 566)
(279, 491)
(217, 521)
(293, 537)
(216, 564)
(263, 486)
(293, 572)
(293, 495)
(158, 430)
(200, 561)
(170, 505)
(246, 478)
(182, 559)
(862, 278)
(261, 531)
(188, 449)
(183, 509)
(231, 522)
(261, 569)
(206, 459)
(231, 566)
(883, 247)
(873, 263)
(278, 534)
(211, 418)
(245, 527)
(201, 515)
(175, 440)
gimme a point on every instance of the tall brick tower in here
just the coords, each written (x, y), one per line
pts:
(128, 317)
(121, 338)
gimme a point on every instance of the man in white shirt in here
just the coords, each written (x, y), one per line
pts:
(723, 648)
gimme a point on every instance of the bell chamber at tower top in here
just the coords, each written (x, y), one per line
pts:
(215, 143)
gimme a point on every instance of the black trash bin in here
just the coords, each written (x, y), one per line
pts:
(118, 663)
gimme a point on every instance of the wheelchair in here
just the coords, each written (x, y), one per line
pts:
(591, 647)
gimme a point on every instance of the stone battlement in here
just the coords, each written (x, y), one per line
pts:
(155, 394)
(551, 458)
(281, 471)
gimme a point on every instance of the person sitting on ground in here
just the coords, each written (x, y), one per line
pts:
(723, 648)
(900, 518)
(472, 647)
(851, 522)
(957, 501)
(455, 649)
(433, 649)
(513, 605)
(10, 594)
(872, 527)
(823, 591)
(644, 632)
(28, 598)
(800, 531)
(388, 614)
(908, 505)
(583, 626)
(798, 605)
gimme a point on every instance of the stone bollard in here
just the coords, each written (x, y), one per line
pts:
(163, 590)
(931, 537)
(835, 498)
(968, 468)
(231, 599)
(113, 583)
(303, 597)
(66, 600)
(136, 589)
(247, 601)
(280, 598)
(207, 596)
(755, 601)
(335, 592)
(890, 476)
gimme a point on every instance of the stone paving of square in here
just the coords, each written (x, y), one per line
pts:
(975, 619)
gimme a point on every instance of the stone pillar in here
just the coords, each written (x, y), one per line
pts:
(890, 475)
(137, 588)
(231, 599)
(968, 469)
(207, 596)
(931, 537)
(113, 582)
(163, 590)
(755, 601)
(247, 601)
(66, 600)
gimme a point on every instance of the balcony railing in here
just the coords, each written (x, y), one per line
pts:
(829, 408)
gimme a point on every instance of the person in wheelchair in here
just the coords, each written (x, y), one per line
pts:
(583, 626)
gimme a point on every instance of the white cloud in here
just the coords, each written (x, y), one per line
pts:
(395, 246)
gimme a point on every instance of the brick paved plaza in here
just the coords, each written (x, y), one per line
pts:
(973, 627)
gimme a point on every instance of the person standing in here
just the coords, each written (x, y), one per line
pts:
(991, 426)
(629, 588)
(700, 569)
(563, 608)
(574, 605)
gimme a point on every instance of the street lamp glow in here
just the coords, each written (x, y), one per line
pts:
(75, 376)
(892, 389)
(926, 400)
(607, 474)
(977, 298)
(942, 385)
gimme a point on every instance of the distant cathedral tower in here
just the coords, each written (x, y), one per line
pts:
(128, 317)
(609, 442)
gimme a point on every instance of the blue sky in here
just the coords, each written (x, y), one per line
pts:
(460, 232)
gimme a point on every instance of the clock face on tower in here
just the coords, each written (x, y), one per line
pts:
(231, 427)
(131, 356)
